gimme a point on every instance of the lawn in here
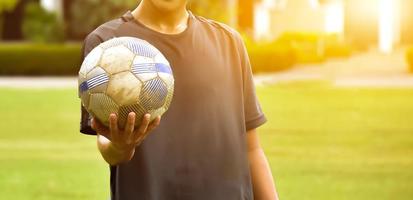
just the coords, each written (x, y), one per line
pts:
(323, 143)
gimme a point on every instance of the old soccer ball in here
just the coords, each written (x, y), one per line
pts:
(124, 75)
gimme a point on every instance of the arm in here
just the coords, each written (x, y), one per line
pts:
(118, 146)
(262, 180)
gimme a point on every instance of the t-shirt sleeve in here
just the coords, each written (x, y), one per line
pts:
(89, 44)
(254, 116)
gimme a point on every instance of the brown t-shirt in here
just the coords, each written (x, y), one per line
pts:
(199, 150)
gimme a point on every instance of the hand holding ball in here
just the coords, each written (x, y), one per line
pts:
(125, 75)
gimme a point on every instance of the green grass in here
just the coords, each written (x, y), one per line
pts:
(328, 143)
(323, 143)
(42, 154)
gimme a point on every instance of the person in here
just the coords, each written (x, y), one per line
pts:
(207, 146)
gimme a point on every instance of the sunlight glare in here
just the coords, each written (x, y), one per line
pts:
(314, 4)
(49, 5)
(334, 19)
(386, 23)
(261, 21)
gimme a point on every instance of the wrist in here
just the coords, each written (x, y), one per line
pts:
(126, 153)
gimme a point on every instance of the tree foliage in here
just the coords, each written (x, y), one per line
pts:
(6, 5)
(88, 14)
(40, 25)
(213, 9)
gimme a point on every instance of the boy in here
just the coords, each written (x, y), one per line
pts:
(206, 147)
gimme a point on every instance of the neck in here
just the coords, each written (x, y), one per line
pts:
(169, 22)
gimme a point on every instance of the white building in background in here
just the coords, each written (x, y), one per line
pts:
(275, 17)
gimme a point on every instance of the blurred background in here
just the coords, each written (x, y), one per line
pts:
(335, 78)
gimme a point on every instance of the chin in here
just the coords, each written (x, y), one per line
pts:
(169, 5)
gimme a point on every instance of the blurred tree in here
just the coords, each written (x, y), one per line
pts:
(81, 21)
(236, 13)
(40, 25)
(6, 5)
(407, 23)
(246, 16)
(212, 9)
(12, 16)
(86, 15)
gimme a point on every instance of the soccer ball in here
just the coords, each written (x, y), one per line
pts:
(124, 75)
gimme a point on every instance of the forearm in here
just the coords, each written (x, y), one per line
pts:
(112, 155)
(262, 180)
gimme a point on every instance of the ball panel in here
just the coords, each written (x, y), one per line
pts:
(124, 112)
(141, 48)
(113, 42)
(82, 84)
(160, 58)
(99, 89)
(81, 78)
(144, 68)
(97, 77)
(96, 71)
(156, 113)
(162, 68)
(85, 98)
(91, 60)
(124, 88)
(167, 78)
(169, 97)
(153, 94)
(101, 106)
(146, 76)
(117, 59)
(93, 82)
(141, 60)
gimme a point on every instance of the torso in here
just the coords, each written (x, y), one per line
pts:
(198, 151)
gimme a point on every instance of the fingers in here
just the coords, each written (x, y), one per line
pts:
(99, 127)
(96, 124)
(93, 124)
(154, 124)
(142, 128)
(130, 125)
(113, 125)
(144, 125)
(146, 128)
(129, 134)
